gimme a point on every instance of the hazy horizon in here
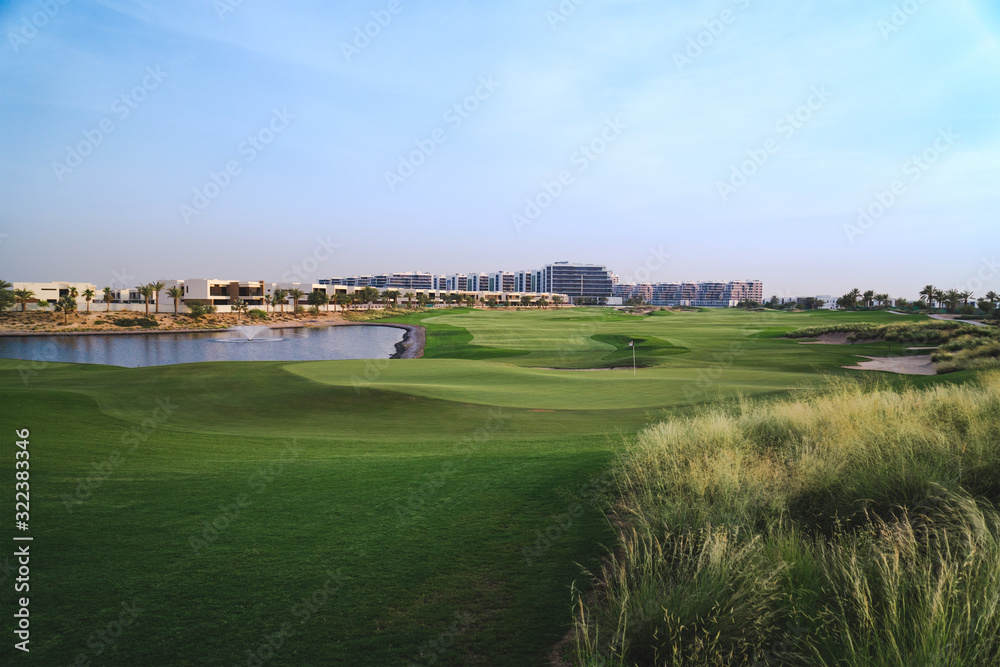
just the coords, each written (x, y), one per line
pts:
(239, 140)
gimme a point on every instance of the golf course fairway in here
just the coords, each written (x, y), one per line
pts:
(425, 511)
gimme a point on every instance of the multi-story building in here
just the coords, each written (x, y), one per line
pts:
(503, 281)
(52, 291)
(216, 292)
(577, 280)
(707, 294)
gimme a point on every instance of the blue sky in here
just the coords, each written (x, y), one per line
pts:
(242, 140)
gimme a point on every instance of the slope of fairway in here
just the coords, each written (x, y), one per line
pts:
(493, 383)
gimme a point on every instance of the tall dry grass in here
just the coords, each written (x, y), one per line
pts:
(856, 528)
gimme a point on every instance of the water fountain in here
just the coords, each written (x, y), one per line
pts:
(250, 333)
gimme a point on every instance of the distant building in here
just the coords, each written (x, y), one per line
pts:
(51, 291)
(216, 292)
(577, 280)
(700, 294)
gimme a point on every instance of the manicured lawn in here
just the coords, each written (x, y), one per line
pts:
(425, 486)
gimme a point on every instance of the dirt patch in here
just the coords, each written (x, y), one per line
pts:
(916, 365)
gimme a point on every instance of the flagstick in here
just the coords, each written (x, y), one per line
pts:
(632, 345)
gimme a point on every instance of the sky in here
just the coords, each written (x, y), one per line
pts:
(816, 146)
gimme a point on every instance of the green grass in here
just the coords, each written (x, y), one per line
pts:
(428, 484)
(807, 532)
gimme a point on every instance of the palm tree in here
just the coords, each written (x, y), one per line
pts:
(279, 297)
(66, 304)
(882, 299)
(868, 297)
(939, 297)
(557, 299)
(853, 297)
(930, 292)
(147, 293)
(952, 298)
(5, 298)
(88, 294)
(23, 296)
(369, 295)
(409, 299)
(965, 296)
(992, 297)
(157, 288)
(176, 293)
(296, 295)
(239, 307)
(72, 291)
(109, 296)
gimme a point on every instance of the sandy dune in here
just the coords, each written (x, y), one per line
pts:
(916, 365)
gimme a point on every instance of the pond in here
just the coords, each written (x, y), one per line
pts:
(244, 344)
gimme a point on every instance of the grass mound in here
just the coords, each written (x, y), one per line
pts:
(807, 532)
(645, 349)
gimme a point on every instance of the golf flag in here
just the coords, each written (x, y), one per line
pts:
(630, 343)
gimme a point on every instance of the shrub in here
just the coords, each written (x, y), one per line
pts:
(257, 314)
(197, 309)
(855, 528)
(146, 322)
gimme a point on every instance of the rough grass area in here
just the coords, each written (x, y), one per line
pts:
(858, 528)
(962, 347)
(969, 352)
(375, 314)
(926, 332)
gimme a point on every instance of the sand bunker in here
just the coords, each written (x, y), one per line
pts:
(839, 338)
(917, 365)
